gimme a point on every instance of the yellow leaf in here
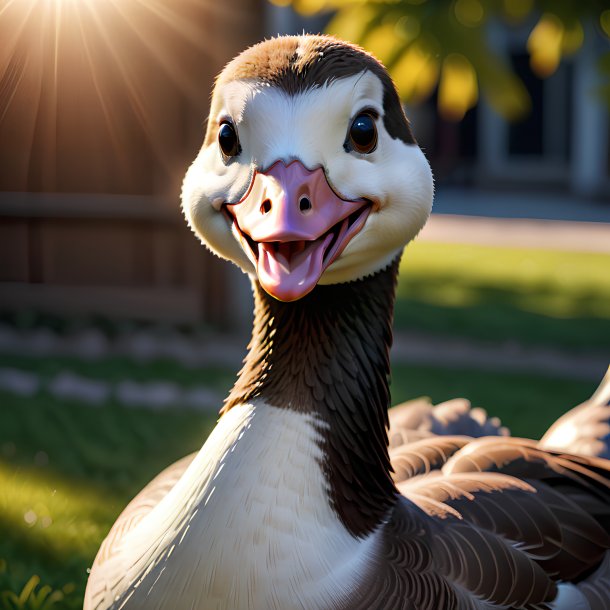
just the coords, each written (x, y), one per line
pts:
(469, 13)
(415, 73)
(544, 45)
(458, 89)
(350, 23)
(508, 96)
(407, 28)
(428, 77)
(382, 41)
(604, 22)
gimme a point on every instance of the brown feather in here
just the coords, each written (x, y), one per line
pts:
(423, 456)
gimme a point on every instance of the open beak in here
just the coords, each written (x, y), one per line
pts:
(292, 226)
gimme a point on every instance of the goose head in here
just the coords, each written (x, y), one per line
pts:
(309, 173)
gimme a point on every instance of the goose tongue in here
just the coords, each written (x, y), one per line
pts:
(292, 226)
(288, 272)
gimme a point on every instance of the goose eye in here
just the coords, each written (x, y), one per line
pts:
(363, 133)
(227, 140)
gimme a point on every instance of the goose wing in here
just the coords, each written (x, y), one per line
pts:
(133, 513)
(585, 429)
(506, 524)
(423, 456)
(416, 419)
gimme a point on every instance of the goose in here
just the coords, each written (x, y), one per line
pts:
(310, 181)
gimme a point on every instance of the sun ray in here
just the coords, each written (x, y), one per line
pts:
(176, 73)
(129, 80)
(109, 41)
(8, 5)
(110, 123)
(16, 31)
(10, 81)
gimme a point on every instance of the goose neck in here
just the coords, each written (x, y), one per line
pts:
(327, 355)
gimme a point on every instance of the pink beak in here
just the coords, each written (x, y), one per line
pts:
(292, 226)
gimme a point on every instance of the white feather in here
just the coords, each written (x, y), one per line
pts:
(248, 526)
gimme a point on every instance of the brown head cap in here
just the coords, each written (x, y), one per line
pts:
(298, 63)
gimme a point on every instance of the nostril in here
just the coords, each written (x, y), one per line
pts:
(304, 204)
(266, 206)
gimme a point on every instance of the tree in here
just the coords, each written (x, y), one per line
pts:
(430, 43)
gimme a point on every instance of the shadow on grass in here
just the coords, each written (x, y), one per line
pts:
(114, 447)
(446, 306)
(527, 404)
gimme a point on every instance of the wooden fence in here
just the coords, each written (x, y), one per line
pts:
(96, 130)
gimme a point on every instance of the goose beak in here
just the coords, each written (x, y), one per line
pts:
(292, 226)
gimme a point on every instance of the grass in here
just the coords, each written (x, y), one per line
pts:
(117, 369)
(527, 404)
(506, 294)
(67, 470)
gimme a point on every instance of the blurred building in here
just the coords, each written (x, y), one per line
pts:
(562, 145)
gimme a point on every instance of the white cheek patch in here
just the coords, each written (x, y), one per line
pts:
(207, 185)
(312, 127)
(401, 179)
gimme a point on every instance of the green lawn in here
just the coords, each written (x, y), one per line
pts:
(117, 369)
(527, 404)
(498, 294)
(66, 470)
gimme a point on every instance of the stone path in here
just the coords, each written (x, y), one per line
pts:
(154, 395)
(140, 345)
(519, 233)
(417, 348)
(227, 352)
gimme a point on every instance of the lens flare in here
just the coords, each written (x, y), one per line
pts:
(73, 68)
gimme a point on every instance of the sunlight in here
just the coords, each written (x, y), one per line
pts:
(60, 2)
(553, 283)
(63, 62)
(66, 516)
(458, 89)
